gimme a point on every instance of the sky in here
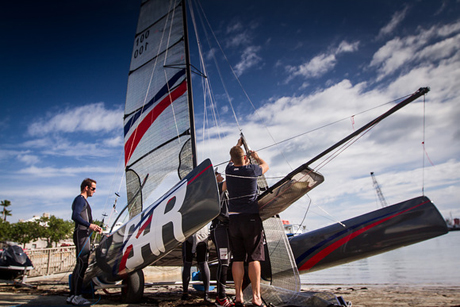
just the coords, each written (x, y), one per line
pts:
(319, 70)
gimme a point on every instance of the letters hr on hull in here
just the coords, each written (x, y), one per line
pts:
(147, 228)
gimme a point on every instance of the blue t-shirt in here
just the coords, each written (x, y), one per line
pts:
(242, 188)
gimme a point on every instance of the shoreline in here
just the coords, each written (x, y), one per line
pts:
(53, 291)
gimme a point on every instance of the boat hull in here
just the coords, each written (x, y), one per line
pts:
(160, 228)
(392, 227)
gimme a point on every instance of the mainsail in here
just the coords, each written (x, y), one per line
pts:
(157, 123)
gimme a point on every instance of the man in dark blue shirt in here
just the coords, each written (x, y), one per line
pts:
(81, 215)
(245, 226)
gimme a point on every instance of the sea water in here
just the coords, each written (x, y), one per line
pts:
(432, 262)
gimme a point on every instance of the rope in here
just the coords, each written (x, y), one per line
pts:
(424, 152)
(328, 124)
(423, 147)
(335, 220)
(206, 87)
(305, 215)
(203, 16)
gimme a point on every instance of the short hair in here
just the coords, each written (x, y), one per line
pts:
(88, 182)
(237, 154)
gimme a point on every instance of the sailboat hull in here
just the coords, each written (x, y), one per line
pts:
(160, 228)
(395, 226)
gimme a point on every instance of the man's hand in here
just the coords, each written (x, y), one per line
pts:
(95, 228)
(261, 162)
(255, 155)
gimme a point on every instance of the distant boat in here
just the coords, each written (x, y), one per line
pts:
(453, 224)
(160, 148)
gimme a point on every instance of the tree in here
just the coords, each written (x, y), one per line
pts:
(5, 230)
(54, 229)
(25, 232)
(5, 203)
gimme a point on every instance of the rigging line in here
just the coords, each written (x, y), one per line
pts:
(322, 127)
(423, 147)
(424, 152)
(243, 177)
(334, 219)
(310, 131)
(239, 82)
(306, 212)
(342, 148)
(243, 196)
(203, 16)
(330, 124)
(209, 99)
(204, 81)
(120, 161)
(352, 140)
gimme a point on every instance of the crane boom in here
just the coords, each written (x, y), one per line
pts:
(378, 190)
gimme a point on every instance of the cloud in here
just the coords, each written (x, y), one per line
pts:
(88, 118)
(238, 35)
(237, 40)
(117, 141)
(322, 63)
(397, 18)
(234, 27)
(249, 59)
(429, 45)
(41, 172)
(28, 159)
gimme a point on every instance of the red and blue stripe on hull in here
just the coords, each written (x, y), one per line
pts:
(379, 231)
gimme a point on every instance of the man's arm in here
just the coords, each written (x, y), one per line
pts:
(262, 163)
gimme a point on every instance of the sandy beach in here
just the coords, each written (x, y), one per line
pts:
(53, 291)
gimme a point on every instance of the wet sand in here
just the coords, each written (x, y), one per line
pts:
(53, 291)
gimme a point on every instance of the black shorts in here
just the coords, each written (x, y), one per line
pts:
(246, 237)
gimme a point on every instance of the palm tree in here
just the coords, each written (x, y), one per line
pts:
(5, 203)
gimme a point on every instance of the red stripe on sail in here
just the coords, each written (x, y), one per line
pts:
(326, 251)
(143, 126)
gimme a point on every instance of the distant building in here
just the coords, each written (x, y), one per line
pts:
(35, 218)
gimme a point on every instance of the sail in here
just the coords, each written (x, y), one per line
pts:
(157, 125)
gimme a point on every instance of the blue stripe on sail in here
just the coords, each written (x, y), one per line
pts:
(163, 91)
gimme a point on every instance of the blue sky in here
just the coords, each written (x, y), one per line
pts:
(303, 65)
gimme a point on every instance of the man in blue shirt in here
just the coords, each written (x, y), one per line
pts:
(81, 215)
(245, 227)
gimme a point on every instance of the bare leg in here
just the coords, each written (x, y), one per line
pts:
(238, 275)
(254, 272)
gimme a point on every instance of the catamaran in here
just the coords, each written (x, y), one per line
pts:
(160, 148)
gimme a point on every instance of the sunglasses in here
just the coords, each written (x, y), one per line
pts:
(92, 189)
